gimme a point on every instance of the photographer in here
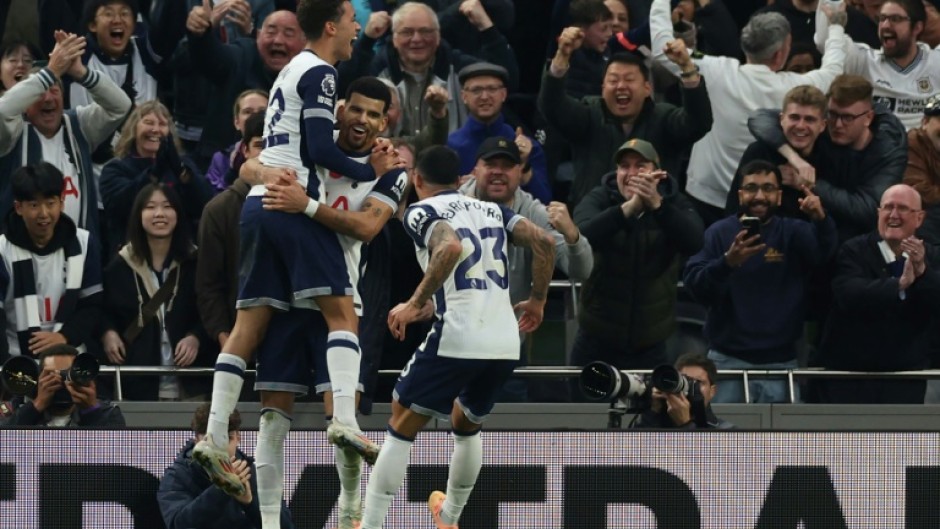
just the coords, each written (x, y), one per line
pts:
(674, 410)
(63, 403)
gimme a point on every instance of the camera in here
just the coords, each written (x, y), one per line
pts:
(20, 375)
(600, 381)
(668, 379)
(630, 393)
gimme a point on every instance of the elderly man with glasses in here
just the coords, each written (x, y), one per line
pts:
(754, 281)
(887, 300)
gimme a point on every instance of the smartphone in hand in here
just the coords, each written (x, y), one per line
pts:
(752, 225)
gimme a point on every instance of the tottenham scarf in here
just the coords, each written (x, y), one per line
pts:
(25, 298)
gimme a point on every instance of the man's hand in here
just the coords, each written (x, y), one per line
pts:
(743, 248)
(42, 340)
(379, 22)
(286, 195)
(560, 219)
(68, 48)
(114, 347)
(570, 39)
(810, 205)
(49, 382)
(243, 470)
(916, 255)
(678, 408)
(524, 144)
(837, 15)
(805, 173)
(186, 351)
(199, 19)
(907, 276)
(632, 207)
(436, 97)
(401, 315)
(238, 12)
(533, 310)
(83, 396)
(677, 52)
(384, 157)
(645, 186)
(476, 14)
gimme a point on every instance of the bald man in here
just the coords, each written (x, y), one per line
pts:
(887, 302)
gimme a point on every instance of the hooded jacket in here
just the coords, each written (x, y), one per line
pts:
(630, 297)
(188, 499)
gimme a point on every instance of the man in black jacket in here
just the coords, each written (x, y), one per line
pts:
(886, 301)
(638, 224)
(188, 499)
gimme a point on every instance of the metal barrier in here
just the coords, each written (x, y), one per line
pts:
(567, 372)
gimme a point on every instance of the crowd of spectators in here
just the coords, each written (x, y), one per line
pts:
(640, 133)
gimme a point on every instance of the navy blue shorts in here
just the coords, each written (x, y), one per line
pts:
(291, 349)
(429, 384)
(286, 257)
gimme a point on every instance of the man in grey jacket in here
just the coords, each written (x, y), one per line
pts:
(496, 178)
(36, 127)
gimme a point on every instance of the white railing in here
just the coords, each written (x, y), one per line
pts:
(567, 372)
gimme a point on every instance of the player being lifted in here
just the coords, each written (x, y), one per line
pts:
(288, 261)
(474, 343)
(362, 210)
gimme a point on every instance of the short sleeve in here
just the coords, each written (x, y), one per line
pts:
(391, 188)
(419, 219)
(317, 88)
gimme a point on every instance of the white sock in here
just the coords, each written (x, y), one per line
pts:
(269, 462)
(388, 474)
(465, 465)
(350, 471)
(226, 387)
(342, 361)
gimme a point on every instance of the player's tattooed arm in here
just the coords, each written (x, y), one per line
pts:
(445, 249)
(527, 234)
(363, 225)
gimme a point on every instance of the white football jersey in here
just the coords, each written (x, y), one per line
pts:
(305, 89)
(347, 194)
(475, 319)
(904, 91)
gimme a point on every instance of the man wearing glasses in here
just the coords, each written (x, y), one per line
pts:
(904, 72)
(887, 299)
(862, 153)
(754, 281)
(419, 58)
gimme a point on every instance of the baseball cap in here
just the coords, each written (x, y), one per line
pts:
(499, 146)
(932, 106)
(478, 69)
(641, 147)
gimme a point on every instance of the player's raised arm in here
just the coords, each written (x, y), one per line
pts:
(527, 234)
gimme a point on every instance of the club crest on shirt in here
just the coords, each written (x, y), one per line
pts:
(328, 85)
(924, 85)
(773, 255)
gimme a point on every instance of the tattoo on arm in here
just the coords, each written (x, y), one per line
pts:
(363, 224)
(542, 245)
(445, 251)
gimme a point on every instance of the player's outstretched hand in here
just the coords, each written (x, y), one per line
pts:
(400, 316)
(532, 312)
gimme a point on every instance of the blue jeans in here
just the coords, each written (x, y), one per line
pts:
(762, 390)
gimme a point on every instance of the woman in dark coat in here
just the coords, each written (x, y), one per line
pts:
(159, 254)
